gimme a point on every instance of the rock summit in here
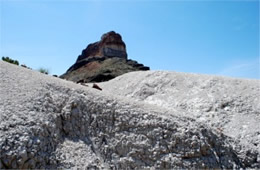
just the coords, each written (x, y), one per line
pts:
(102, 61)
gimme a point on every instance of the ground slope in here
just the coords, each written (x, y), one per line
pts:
(46, 122)
(230, 105)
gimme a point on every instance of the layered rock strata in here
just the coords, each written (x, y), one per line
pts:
(102, 61)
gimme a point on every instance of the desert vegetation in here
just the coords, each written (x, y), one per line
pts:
(16, 62)
(43, 70)
(9, 60)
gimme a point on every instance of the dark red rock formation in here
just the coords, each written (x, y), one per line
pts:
(110, 45)
(102, 61)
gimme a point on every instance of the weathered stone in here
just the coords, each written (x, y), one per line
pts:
(1, 165)
(96, 86)
(116, 129)
(102, 61)
(110, 52)
(110, 45)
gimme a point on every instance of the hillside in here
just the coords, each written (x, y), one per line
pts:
(139, 120)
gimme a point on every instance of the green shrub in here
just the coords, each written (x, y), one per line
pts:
(9, 60)
(43, 70)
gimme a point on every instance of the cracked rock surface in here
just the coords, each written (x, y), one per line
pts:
(46, 122)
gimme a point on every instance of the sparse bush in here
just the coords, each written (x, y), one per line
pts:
(44, 70)
(23, 65)
(9, 60)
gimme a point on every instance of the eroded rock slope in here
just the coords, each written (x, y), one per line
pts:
(46, 122)
(228, 105)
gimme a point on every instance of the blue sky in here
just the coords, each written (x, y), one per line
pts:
(209, 37)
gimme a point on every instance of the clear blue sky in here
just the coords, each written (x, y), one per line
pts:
(209, 37)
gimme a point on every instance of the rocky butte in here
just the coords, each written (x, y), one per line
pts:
(102, 61)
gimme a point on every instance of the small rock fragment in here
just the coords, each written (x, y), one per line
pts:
(96, 86)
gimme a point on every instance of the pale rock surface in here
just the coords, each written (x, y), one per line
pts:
(228, 105)
(232, 105)
(133, 123)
